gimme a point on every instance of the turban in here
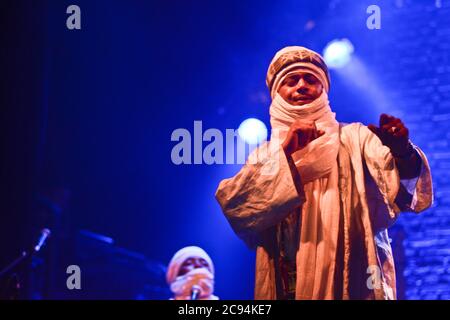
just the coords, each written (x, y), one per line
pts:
(181, 256)
(295, 57)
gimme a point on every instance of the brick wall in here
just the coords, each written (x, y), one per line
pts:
(415, 55)
(410, 59)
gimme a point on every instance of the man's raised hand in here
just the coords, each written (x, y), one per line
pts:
(299, 135)
(392, 133)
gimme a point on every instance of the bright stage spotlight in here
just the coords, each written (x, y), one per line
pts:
(338, 53)
(252, 131)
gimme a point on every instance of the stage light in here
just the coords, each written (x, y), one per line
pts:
(338, 53)
(252, 131)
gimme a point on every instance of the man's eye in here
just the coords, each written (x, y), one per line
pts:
(291, 82)
(310, 79)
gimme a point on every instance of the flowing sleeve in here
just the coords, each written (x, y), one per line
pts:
(260, 195)
(416, 195)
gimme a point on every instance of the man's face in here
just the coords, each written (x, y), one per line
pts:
(300, 88)
(193, 263)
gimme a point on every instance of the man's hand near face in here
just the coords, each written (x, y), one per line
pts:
(300, 134)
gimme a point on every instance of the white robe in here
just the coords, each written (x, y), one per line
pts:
(371, 197)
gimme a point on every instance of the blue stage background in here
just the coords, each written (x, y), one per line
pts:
(102, 102)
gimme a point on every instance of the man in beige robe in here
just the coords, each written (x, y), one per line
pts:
(316, 201)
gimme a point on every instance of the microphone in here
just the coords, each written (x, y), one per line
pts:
(45, 233)
(195, 292)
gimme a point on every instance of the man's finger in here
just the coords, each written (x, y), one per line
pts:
(385, 118)
(387, 128)
(400, 126)
(303, 137)
(403, 132)
(392, 127)
(299, 123)
(319, 133)
(301, 128)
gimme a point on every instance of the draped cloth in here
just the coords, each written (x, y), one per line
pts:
(332, 216)
(317, 167)
(255, 203)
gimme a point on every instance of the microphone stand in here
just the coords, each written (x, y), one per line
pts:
(19, 261)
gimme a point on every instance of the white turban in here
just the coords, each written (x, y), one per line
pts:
(295, 57)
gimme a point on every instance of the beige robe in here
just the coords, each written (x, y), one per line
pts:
(371, 197)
